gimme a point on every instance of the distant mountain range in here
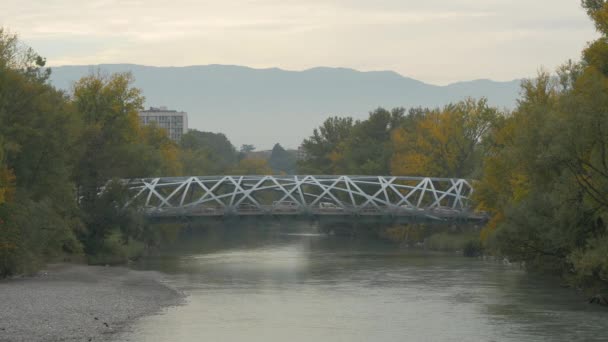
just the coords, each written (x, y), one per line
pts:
(266, 106)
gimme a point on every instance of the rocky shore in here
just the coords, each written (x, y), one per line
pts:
(79, 303)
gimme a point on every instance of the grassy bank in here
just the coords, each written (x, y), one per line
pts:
(465, 239)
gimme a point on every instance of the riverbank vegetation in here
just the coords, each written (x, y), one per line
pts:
(544, 176)
(462, 239)
(541, 170)
(62, 155)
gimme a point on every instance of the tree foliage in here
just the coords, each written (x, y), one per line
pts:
(114, 146)
(251, 166)
(57, 154)
(323, 146)
(206, 153)
(545, 175)
(346, 146)
(246, 148)
(444, 143)
(367, 150)
(38, 216)
(282, 161)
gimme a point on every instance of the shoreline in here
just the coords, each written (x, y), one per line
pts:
(73, 302)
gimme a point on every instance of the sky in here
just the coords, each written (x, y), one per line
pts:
(436, 41)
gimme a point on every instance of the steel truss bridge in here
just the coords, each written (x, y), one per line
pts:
(442, 199)
(435, 199)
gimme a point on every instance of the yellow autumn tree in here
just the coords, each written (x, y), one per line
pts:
(495, 187)
(252, 166)
(445, 142)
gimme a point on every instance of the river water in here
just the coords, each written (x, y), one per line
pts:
(243, 286)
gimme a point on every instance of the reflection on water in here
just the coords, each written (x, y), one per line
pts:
(244, 286)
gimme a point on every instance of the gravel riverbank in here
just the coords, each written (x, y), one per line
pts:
(79, 303)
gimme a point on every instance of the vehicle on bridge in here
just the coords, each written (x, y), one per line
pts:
(445, 211)
(286, 206)
(409, 207)
(329, 207)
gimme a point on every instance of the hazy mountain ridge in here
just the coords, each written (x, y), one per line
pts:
(264, 106)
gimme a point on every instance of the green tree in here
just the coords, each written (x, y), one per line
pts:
(206, 153)
(114, 147)
(368, 150)
(282, 161)
(322, 148)
(58, 154)
(246, 148)
(345, 146)
(38, 128)
(109, 108)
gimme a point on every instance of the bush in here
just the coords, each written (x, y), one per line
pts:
(467, 242)
(411, 233)
(472, 248)
(116, 251)
(590, 267)
(34, 233)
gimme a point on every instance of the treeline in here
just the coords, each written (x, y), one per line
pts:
(207, 153)
(541, 170)
(59, 155)
(442, 142)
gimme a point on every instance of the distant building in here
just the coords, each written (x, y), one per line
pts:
(176, 123)
(300, 153)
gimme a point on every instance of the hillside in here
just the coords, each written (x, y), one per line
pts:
(265, 106)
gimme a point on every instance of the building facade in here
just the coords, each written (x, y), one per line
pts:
(176, 123)
(300, 153)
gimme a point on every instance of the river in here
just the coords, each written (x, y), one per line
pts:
(243, 286)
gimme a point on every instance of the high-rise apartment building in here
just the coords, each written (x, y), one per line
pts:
(176, 123)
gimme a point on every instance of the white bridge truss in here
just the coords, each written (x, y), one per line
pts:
(435, 198)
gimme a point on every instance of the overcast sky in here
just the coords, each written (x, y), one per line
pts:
(437, 41)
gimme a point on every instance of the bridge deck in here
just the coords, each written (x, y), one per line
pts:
(439, 215)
